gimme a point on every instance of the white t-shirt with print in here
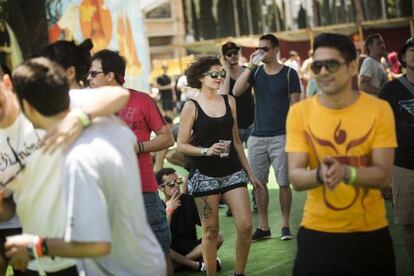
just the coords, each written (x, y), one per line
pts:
(17, 143)
(38, 191)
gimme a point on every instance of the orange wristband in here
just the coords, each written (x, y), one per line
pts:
(170, 211)
(38, 247)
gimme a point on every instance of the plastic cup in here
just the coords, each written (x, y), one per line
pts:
(225, 153)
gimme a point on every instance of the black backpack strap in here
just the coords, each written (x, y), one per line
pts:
(288, 81)
(406, 84)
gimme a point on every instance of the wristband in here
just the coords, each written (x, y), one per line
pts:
(251, 67)
(44, 247)
(84, 118)
(140, 147)
(170, 210)
(34, 248)
(352, 176)
(318, 176)
(203, 151)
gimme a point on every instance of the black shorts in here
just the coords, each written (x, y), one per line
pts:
(185, 246)
(360, 253)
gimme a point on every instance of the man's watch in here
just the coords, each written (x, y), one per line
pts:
(204, 151)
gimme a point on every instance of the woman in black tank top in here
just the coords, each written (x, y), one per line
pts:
(218, 168)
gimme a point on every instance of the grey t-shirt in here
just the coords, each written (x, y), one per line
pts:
(375, 71)
(105, 202)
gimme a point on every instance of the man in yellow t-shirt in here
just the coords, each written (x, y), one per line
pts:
(340, 148)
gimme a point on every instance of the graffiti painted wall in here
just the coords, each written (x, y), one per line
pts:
(112, 24)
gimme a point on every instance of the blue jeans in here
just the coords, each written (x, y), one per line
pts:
(157, 219)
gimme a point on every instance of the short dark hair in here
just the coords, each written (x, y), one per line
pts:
(43, 84)
(162, 172)
(274, 41)
(342, 43)
(196, 69)
(6, 70)
(112, 61)
(67, 54)
(370, 39)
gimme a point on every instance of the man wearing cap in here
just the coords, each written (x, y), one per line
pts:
(276, 88)
(244, 102)
(143, 117)
(400, 95)
(372, 75)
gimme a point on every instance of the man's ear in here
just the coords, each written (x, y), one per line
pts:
(353, 67)
(7, 81)
(110, 77)
(71, 73)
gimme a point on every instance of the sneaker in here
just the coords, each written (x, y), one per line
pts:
(260, 234)
(202, 266)
(222, 204)
(229, 213)
(285, 234)
(219, 264)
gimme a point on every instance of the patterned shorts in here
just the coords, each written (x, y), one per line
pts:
(202, 185)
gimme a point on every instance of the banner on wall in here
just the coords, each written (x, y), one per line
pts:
(111, 24)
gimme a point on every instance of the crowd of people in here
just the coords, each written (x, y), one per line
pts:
(80, 195)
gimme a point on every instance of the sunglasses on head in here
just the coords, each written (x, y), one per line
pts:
(331, 65)
(232, 53)
(173, 183)
(93, 74)
(266, 49)
(216, 74)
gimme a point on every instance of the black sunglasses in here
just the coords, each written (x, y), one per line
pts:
(266, 49)
(93, 74)
(216, 74)
(173, 183)
(21, 165)
(331, 65)
(232, 53)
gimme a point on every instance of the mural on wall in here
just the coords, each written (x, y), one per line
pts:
(116, 25)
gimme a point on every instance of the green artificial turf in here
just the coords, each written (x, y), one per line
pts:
(275, 257)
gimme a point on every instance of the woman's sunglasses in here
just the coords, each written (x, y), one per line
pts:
(216, 74)
(331, 65)
(173, 183)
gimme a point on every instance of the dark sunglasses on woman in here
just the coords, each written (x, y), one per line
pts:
(216, 74)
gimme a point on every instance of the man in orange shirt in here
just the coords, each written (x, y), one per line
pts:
(340, 148)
